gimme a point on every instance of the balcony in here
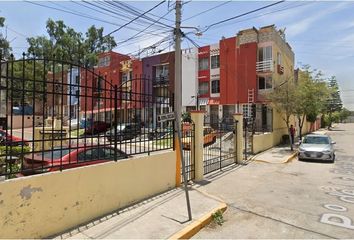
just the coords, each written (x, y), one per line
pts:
(161, 81)
(265, 66)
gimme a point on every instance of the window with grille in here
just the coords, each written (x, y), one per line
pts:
(215, 86)
(203, 63)
(215, 61)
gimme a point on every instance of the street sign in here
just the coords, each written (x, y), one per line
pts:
(166, 117)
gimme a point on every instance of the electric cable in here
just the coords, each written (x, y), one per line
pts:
(124, 25)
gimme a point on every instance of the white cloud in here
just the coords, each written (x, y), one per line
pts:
(304, 24)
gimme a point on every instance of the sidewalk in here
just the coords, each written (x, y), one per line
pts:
(281, 153)
(278, 154)
(160, 217)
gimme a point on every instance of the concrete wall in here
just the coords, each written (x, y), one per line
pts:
(28, 121)
(43, 205)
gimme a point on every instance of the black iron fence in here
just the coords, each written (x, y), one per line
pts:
(219, 146)
(57, 115)
(188, 143)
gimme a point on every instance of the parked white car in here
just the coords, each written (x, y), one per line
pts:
(317, 147)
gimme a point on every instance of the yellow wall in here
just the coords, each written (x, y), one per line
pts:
(265, 141)
(43, 205)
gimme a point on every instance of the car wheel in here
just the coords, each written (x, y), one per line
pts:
(334, 157)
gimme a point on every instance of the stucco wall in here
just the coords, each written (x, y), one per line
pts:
(43, 205)
(27, 120)
(189, 77)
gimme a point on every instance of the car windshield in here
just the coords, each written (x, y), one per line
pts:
(316, 140)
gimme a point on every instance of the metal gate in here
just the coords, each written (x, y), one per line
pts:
(188, 142)
(58, 115)
(219, 146)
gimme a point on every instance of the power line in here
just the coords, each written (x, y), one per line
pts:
(126, 7)
(136, 18)
(205, 11)
(118, 11)
(135, 35)
(241, 15)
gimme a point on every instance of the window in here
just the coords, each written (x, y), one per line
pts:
(104, 62)
(279, 58)
(265, 53)
(265, 82)
(215, 61)
(203, 88)
(88, 155)
(215, 86)
(161, 71)
(203, 63)
(108, 154)
(124, 77)
(77, 79)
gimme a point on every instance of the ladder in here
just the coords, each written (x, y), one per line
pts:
(250, 101)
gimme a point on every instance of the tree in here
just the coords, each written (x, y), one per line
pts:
(334, 102)
(68, 45)
(344, 114)
(311, 94)
(283, 100)
(5, 48)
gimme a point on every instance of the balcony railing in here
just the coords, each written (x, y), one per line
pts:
(162, 80)
(265, 66)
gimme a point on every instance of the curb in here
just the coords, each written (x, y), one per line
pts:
(291, 157)
(198, 224)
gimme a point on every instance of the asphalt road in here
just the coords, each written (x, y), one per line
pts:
(293, 200)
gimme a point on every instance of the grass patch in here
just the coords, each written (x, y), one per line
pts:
(217, 217)
(76, 133)
(164, 142)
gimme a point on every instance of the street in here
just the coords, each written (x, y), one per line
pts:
(293, 200)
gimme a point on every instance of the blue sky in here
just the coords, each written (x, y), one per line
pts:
(321, 33)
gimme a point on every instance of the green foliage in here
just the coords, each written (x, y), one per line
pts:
(4, 44)
(311, 94)
(68, 45)
(218, 217)
(28, 76)
(186, 117)
(13, 151)
(283, 100)
(334, 102)
(344, 114)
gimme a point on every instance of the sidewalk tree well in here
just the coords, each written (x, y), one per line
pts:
(310, 95)
(283, 99)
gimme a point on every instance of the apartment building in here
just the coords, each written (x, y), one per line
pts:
(235, 74)
(159, 71)
(97, 87)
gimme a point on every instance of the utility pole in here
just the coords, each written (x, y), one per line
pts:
(178, 98)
